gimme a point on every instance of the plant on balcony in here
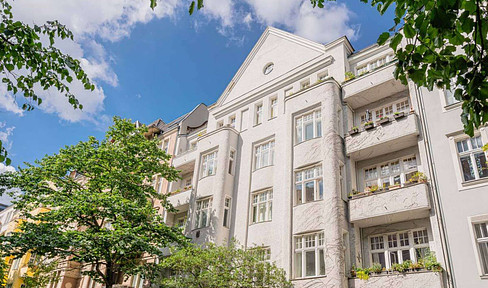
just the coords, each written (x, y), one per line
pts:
(349, 76)
(398, 115)
(354, 130)
(377, 268)
(353, 193)
(383, 120)
(418, 177)
(431, 264)
(407, 264)
(368, 125)
(363, 274)
(373, 188)
(417, 266)
(398, 268)
(393, 187)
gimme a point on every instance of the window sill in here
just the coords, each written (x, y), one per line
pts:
(474, 183)
(296, 205)
(309, 277)
(453, 106)
(261, 222)
(257, 124)
(484, 277)
(296, 144)
(206, 176)
(260, 168)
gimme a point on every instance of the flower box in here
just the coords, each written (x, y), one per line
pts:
(399, 115)
(383, 120)
(354, 130)
(368, 125)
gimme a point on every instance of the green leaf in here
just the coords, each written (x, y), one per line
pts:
(192, 7)
(383, 37)
(153, 4)
(408, 30)
(395, 40)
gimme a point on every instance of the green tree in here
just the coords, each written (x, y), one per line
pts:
(3, 272)
(28, 65)
(102, 213)
(220, 266)
(41, 273)
(446, 47)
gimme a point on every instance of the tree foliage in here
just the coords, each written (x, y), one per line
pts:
(102, 218)
(28, 64)
(446, 47)
(221, 266)
(41, 273)
(3, 272)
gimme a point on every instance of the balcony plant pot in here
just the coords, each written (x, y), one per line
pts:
(399, 115)
(353, 131)
(368, 126)
(383, 120)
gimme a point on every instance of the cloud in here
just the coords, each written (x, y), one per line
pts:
(8, 103)
(5, 133)
(6, 198)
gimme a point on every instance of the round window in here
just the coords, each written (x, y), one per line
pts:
(268, 68)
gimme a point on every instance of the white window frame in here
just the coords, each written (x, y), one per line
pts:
(227, 211)
(273, 107)
(262, 200)
(203, 207)
(263, 253)
(264, 154)
(473, 221)
(471, 147)
(305, 84)
(310, 242)
(258, 114)
(232, 159)
(209, 164)
(411, 247)
(244, 120)
(315, 117)
(305, 176)
(388, 110)
(404, 173)
(165, 146)
(232, 121)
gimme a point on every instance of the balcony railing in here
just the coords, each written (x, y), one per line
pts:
(180, 197)
(400, 280)
(395, 205)
(384, 136)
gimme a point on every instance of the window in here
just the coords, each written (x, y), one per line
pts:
(232, 121)
(323, 75)
(309, 255)
(202, 213)
(262, 253)
(227, 212)
(232, 156)
(384, 112)
(289, 91)
(305, 84)
(395, 248)
(209, 164)
(273, 107)
(158, 183)
(180, 221)
(244, 119)
(402, 106)
(481, 231)
(341, 181)
(449, 95)
(309, 185)
(364, 119)
(259, 114)
(220, 124)
(166, 146)
(15, 264)
(193, 145)
(262, 206)
(308, 126)
(374, 64)
(393, 173)
(264, 155)
(472, 158)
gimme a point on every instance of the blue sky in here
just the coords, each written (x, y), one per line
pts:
(149, 65)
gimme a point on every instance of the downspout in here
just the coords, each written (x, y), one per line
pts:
(435, 190)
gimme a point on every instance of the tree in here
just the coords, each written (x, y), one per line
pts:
(41, 273)
(92, 203)
(221, 266)
(3, 272)
(28, 65)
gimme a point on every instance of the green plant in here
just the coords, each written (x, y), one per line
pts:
(349, 76)
(363, 274)
(398, 113)
(368, 123)
(418, 177)
(430, 263)
(377, 268)
(407, 264)
(373, 188)
(355, 128)
(398, 267)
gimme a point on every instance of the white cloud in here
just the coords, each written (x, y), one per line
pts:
(4, 168)
(5, 133)
(8, 103)
(6, 198)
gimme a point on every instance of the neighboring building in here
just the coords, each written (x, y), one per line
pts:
(3, 206)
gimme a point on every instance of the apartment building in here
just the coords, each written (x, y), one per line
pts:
(315, 152)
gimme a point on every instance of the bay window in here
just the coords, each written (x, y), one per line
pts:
(202, 213)
(264, 154)
(262, 206)
(309, 185)
(308, 126)
(394, 173)
(209, 164)
(398, 247)
(481, 233)
(472, 158)
(309, 256)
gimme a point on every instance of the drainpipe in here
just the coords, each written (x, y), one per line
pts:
(435, 190)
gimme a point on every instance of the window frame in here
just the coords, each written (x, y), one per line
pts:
(259, 154)
(268, 206)
(273, 107)
(402, 173)
(232, 159)
(476, 241)
(393, 107)
(470, 153)
(301, 121)
(258, 114)
(199, 211)
(300, 248)
(233, 121)
(227, 211)
(300, 178)
(204, 167)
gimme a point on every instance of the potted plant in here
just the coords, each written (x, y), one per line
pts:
(368, 125)
(383, 120)
(417, 266)
(349, 76)
(377, 268)
(354, 130)
(418, 177)
(353, 192)
(398, 115)
(398, 268)
(407, 265)
(373, 188)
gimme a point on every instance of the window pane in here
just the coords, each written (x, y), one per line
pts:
(298, 189)
(308, 130)
(299, 131)
(321, 262)
(318, 124)
(394, 258)
(467, 168)
(309, 191)
(420, 253)
(481, 230)
(310, 263)
(484, 256)
(298, 264)
(270, 210)
(321, 189)
(379, 258)
(480, 159)
(262, 211)
(406, 255)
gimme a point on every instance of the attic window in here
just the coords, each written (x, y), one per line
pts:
(268, 68)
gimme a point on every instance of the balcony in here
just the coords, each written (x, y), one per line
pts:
(185, 157)
(395, 135)
(372, 86)
(179, 198)
(405, 280)
(402, 204)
